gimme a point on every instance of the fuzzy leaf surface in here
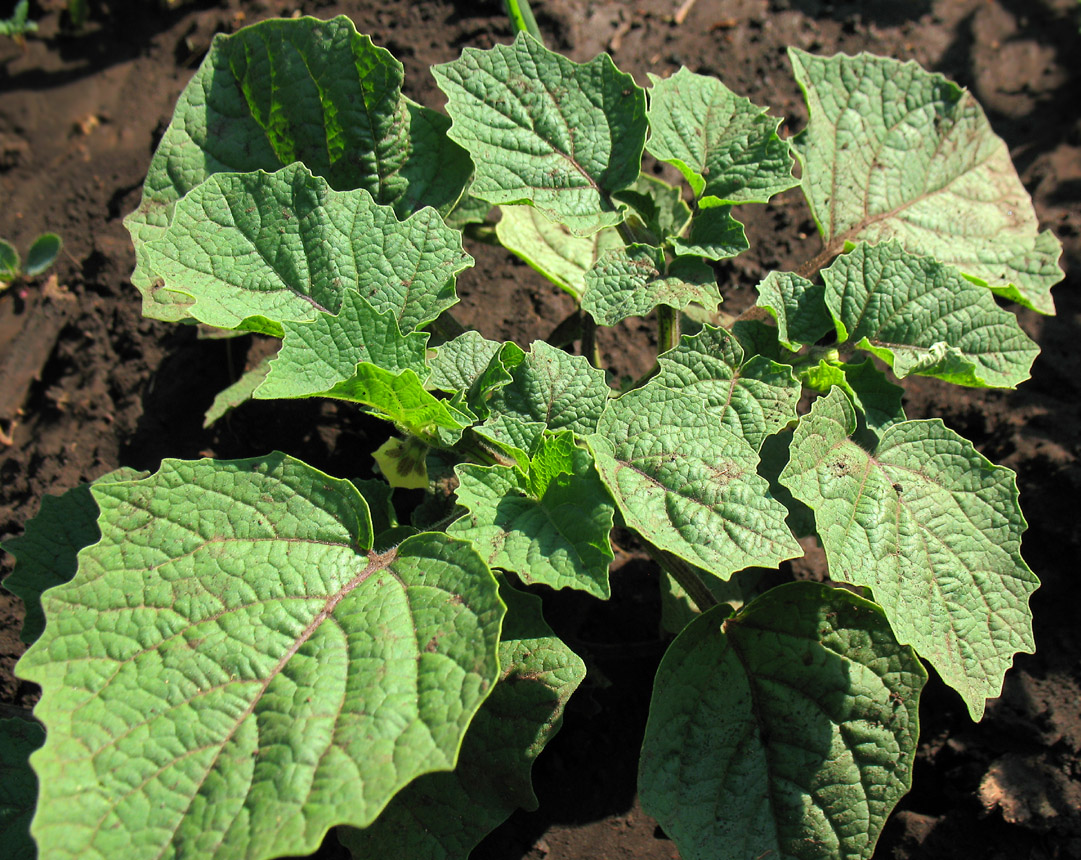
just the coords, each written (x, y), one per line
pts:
(754, 398)
(318, 354)
(551, 248)
(894, 152)
(297, 90)
(714, 234)
(631, 281)
(45, 553)
(725, 146)
(687, 482)
(543, 130)
(549, 525)
(562, 391)
(232, 671)
(798, 306)
(787, 730)
(18, 786)
(933, 528)
(475, 367)
(877, 400)
(252, 250)
(442, 816)
(921, 316)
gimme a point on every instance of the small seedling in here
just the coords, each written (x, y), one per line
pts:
(42, 254)
(18, 25)
(236, 656)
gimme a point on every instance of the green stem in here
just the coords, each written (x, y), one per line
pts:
(667, 328)
(590, 348)
(685, 574)
(521, 18)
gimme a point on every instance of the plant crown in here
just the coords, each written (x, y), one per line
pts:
(238, 655)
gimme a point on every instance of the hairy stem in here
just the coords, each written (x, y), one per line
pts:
(685, 575)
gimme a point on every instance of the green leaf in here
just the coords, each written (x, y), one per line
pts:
(877, 400)
(933, 528)
(715, 234)
(256, 249)
(633, 280)
(551, 248)
(755, 399)
(400, 398)
(921, 316)
(297, 90)
(473, 365)
(543, 130)
(798, 306)
(232, 671)
(549, 526)
(562, 391)
(10, 264)
(468, 210)
(786, 730)
(45, 552)
(42, 254)
(443, 816)
(18, 786)
(724, 145)
(518, 438)
(687, 482)
(239, 392)
(317, 355)
(894, 152)
(658, 206)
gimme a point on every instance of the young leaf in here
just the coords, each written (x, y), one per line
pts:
(10, 264)
(45, 553)
(233, 671)
(798, 306)
(755, 399)
(546, 131)
(633, 280)
(256, 249)
(551, 248)
(726, 147)
(549, 526)
(877, 400)
(562, 391)
(715, 234)
(475, 366)
(921, 316)
(42, 254)
(687, 482)
(893, 152)
(317, 355)
(441, 816)
(239, 392)
(786, 730)
(658, 206)
(18, 786)
(933, 528)
(519, 438)
(298, 90)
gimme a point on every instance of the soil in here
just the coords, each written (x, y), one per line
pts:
(87, 385)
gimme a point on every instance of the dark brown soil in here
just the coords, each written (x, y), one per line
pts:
(87, 385)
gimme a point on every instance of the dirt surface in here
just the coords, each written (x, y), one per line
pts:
(87, 385)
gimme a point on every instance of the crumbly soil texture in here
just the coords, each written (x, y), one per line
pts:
(87, 384)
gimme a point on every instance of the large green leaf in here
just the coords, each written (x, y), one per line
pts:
(317, 355)
(546, 131)
(787, 730)
(921, 316)
(633, 280)
(687, 482)
(252, 250)
(297, 90)
(551, 248)
(45, 553)
(755, 399)
(894, 152)
(233, 671)
(933, 528)
(549, 525)
(443, 815)
(562, 391)
(724, 145)
(18, 786)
